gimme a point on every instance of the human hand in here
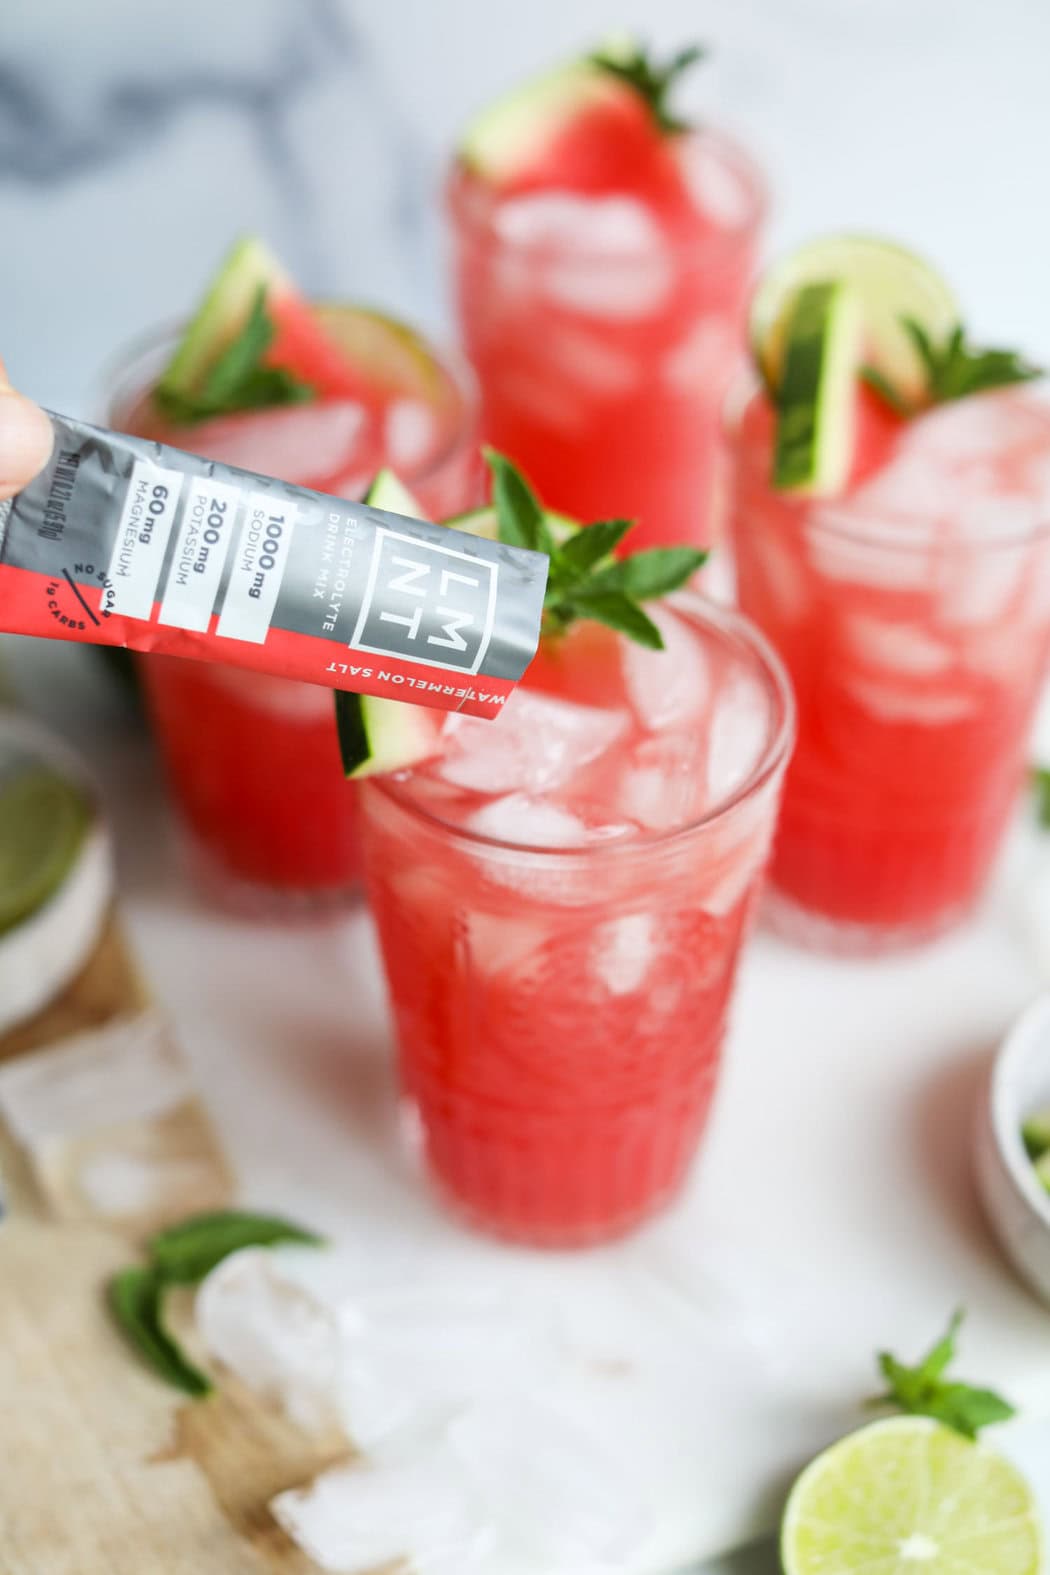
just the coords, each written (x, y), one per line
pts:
(25, 439)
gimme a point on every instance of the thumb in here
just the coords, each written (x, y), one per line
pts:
(25, 439)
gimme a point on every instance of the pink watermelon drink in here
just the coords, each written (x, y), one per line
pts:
(603, 254)
(253, 761)
(560, 947)
(911, 605)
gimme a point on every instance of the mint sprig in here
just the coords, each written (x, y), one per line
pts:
(238, 379)
(923, 1390)
(582, 582)
(653, 83)
(184, 1254)
(954, 369)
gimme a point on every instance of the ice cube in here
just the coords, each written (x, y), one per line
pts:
(702, 362)
(616, 289)
(719, 188)
(283, 698)
(362, 1517)
(564, 1494)
(529, 822)
(985, 426)
(299, 443)
(588, 362)
(496, 944)
(416, 1357)
(410, 434)
(536, 743)
(1004, 518)
(671, 687)
(662, 783)
(263, 1321)
(981, 585)
(848, 546)
(623, 951)
(554, 221)
(894, 647)
(779, 561)
(737, 736)
(912, 703)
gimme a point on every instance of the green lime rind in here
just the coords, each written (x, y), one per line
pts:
(44, 821)
(894, 285)
(909, 1494)
(390, 493)
(813, 451)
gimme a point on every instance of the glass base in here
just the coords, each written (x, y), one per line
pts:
(551, 1238)
(249, 899)
(818, 932)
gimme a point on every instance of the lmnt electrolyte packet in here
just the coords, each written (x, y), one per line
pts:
(124, 541)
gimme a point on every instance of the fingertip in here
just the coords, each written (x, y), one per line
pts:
(26, 440)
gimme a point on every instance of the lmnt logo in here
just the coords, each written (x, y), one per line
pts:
(426, 602)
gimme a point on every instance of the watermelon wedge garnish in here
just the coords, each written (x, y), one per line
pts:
(596, 125)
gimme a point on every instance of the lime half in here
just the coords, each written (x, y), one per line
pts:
(892, 284)
(909, 1497)
(44, 819)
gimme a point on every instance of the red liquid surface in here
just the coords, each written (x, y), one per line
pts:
(252, 761)
(605, 329)
(560, 1016)
(912, 617)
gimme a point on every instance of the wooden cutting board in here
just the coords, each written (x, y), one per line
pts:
(104, 1470)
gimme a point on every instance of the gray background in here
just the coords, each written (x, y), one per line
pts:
(138, 136)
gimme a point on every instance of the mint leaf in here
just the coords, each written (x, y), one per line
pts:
(653, 83)
(579, 554)
(956, 369)
(646, 575)
(1041, 782)
(135, 1300)
(521, 521)
(921, 1390)
(238, 379)
(185, 1253)
(617, 612)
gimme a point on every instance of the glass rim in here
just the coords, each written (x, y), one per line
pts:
(116, 385)
(728, 621)
(485, 223)
(875, 526)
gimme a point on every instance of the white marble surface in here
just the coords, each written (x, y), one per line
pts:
(138, 136)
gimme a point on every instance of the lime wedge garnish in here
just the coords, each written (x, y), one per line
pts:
(892, 284)
(910, 1497)
(816, 406)
(44, 819)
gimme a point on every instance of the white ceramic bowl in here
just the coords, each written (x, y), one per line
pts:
(1018, 1207)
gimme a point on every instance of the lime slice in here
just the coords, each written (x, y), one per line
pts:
(892, 284)
(484, 522)
(44, 820)
(909, 1497)
(390, 493)
(816, 408)
(391, 357)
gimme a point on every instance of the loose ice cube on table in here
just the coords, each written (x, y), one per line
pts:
(535, 744)
(258, 1316)
(363, 1517)
(670, 687)
(563, 1493)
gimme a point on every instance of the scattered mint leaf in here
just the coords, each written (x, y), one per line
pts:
(135, 1298)
(956, 369)
(238, 379)
(582, 581)
(185, 1253)
(653, 83)
(1041, 783)
(885, 390)
(521, 522)
(922, 1390)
